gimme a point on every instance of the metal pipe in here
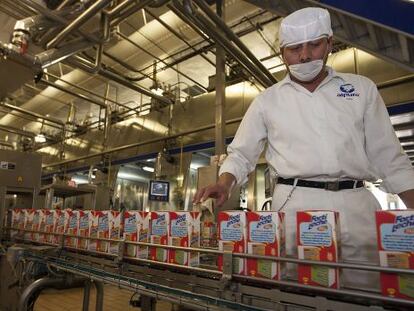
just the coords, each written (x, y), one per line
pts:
(78, 22)
(86, 295)
(107, 116)
(16, 131)
(128, 12)
(33, 114)
(151, 141)
(78, 95)
(230, 34)
(43, 283)
(206, 26)
(174, 32)
(116, 10)
(85, 65)
(99, 295)
(64, 4)
(160, 60)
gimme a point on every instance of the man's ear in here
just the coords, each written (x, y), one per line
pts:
(330, 44)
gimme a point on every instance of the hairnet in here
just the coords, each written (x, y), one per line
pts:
(305, 25)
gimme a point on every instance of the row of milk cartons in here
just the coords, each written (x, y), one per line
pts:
(165, 228)
(318, 239)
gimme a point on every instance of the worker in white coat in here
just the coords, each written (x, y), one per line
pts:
(326, 133)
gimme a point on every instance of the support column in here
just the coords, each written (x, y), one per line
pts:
(220, 100)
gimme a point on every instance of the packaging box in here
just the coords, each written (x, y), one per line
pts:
(61, 225)
(99, 228)
(265, 236)
(185, 232)
(39, 222)
(17, 221)
(72, 218)
(395, 234)
(50, 223)
(115, 222)
(318, 239)
(136, 228)
(159, 235)
(28, 223)
(233, 238)
(83, 229)
(208, 234)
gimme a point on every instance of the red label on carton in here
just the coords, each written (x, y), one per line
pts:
(266, 237)
(185, 232)
(233, 238)
(317, 239)
(395, 234)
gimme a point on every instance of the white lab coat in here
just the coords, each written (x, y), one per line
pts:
(340, 131)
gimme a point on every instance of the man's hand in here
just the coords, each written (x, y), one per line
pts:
(408, 198)
(219, 191)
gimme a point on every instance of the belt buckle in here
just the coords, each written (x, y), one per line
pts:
(332, 185)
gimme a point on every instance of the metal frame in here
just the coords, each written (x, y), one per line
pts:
(211, 288)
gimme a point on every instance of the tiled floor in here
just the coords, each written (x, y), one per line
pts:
(115, 299)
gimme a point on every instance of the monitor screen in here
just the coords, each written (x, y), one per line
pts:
(159, 190)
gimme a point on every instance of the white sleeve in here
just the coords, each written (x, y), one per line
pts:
(383, 147)
(247, 145)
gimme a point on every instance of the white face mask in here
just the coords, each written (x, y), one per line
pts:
(306, 71)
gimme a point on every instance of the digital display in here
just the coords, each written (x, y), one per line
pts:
(159, 190)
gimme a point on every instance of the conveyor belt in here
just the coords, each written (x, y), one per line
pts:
(205, 288)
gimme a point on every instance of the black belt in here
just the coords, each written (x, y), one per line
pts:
(327, 185)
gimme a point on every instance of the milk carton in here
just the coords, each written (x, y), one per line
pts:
(72, 218)
(39, 221)
(159, 235)
(265, 236)
(83, 229)
(184, 232)
(318, 239)
(17, 221)
(136, 228)
(395, 232)
(28, 223)
(50, 223)
(233, 238)
(208, 233)
(61, 224)
(115, 221)
(99, 228)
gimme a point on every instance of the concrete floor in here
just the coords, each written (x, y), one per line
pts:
(115, 299)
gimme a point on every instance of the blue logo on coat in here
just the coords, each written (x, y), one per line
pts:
(347, 91)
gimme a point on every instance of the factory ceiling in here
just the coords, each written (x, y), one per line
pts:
(85, 81)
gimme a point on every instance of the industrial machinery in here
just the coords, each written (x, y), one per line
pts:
(203, 287)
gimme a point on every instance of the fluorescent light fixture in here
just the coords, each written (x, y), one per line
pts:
(40, 138)
(148, 169)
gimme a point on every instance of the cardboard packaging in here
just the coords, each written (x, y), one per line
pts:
(159, 235)
(61, 224)
(318, 239)
(39, 221)
(28, 223)
(233, 238)
(136, 228)
(17, 221)
(99, 228)
(184, 232)
(83, 229)
(395, 234)
(115, 222)
(50, 224)
(208, 234)
(265, 236)
(72, 218)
